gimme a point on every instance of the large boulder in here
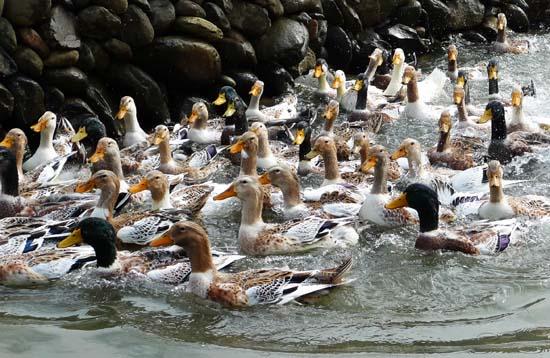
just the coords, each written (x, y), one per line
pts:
(517, 19)
(136, 27)
(118, 49)
(99, 23)
(116, 6)
(215, 15)
(189, 8)
(32, 39)
(374, 12)
(298, 6)
(8, 66)
(406, 38)
(352, 21)
(8, 40)
(274, 7)
(285, 42)
(236, 51)
(70, 80)
(28, 101)
(28, 62)
(150, 100)
(102, 60)
(27, 12)
(162, 16)
(251, 19)
(332, 13)
(198, 27)
(60, 29)
(466, 14)
(182, 59)
(438, 15)
(339, 47)
(6, 102)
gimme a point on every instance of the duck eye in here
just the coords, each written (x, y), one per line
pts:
(412, 143)
(326, 141)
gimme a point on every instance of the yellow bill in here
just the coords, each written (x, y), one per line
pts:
(73, 239)
(141, 186)
(400, 153)
(163, 240)
(399, 202)
(228, 193)
(80, 135)
(486, 116)
(220, 100)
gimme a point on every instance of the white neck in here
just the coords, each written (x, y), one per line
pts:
(341, 91)
(46, 139)
(323, 84)
(199, 283)
(254, 103)
(130, 121)
(415, 165)
(517, 116)
(100, 212)
(163, 203)
(396, 78)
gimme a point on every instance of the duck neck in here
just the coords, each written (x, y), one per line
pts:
(264, 150)
(46, 139)
(201, 122)
(444, 142)
(131, 122)
(10, 181)
(107, 201)
(429, 217)
(241, 123)
(323, 84)
(498, 127)
(364, 151)
(161, 199)
(201, 257)
(331, 165)
(362, 95)
(415, 164)
(412, 90)
(380, 185)
(252, 207)
(501, 36)
(496, 194)
(493, 86)
(341, 91)
(517, 115)
(462, 113)
(105, 252)
(165, 152)
(249, 161)
(329, 126)
(112, 158)
(291, 192)
(451, 66)
(19, 156)
(254, 103)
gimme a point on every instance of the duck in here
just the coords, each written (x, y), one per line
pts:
(497, 206)
(472, 240)
(265, 159)
(320, 72)
(467, 125)
(198, 131)
(399, 65)
(45, 152)
(245, 288)
(463, 82)
(303, 139)
(453, 154)
(452, 67)
(107, 156)
(259, 238)
(330, 115)
(91, 130)
(376, 59)
(372, 208)
(11, 203)
(370, 121)
(170, 265)
(235, 113)
(492, 74)
(518, 122)
(247, 145)
(274, 114)
(415, 107)
(326, 147)
(361, 146)
(503, 44)
(127, 111)
(16, 141)
(344, 95)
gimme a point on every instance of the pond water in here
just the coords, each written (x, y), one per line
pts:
(403, 302)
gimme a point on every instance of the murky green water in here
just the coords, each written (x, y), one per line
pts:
(403, 302)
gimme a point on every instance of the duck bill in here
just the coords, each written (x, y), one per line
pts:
(85, 187)
(163, 240)
(336, 83)
(40, 126)
(486, 117)
(460, 81)
(7, 142)
(494, 181)
(228, 193)
(122, 112)
(220, 100)
(396, 60)
(80, 135)
(255, 91)
(493, 73)
(318, 71)
(399, 202)
(312, 154)
(230, 110)
(237, 147)
(369, 164)
(157, 139)
(264, 179)
(98, 155)
(193, 117)
(452, 56)
(516, 99)
(406, 80)
(358, 86)
(444, 128)
(300, 137)
(400, 153)
(75, 238)
(457, 98)
(139, 187)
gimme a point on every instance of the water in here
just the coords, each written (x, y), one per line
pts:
(404, 302)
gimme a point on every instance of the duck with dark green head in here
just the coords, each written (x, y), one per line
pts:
(492, 74)
(235, 113)
(473, 240)
(303, 140)
(11, 203)
(91, 130)
(165, 265)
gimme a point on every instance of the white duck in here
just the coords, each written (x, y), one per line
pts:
(399, 65)
(128, 111)
(279, 112)
(198, 131)
(45, 152)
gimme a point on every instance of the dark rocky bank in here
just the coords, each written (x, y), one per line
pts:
(78, 57)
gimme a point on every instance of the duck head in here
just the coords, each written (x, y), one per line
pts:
(161, 134)
(90, 131)
(157, 183)
(462, 79)
(126, 106)
(458, 94)
(248, 143)
(106, 147)
(322, 146)
(517, 97)
(257, 89)
(199, 115)
(398, 57)
(424, 200)
(339, 79)
(494, 112)
(46, 123)
(502, 22)
(376, 59)
(321, 68)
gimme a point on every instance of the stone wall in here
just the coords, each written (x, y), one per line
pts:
(81, 56)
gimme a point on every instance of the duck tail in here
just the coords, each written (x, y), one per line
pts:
(334, 275)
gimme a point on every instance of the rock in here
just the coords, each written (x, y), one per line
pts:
(182, 59)
(339, 47)
(86, 60)
(408, 14)
(102, 59)
(142, 4)
(406, 38)
(278, 78)
(517, 19)
(297, 6)
(332, 13)
(236, 51)
(198, 27)
(62, 59)
(467, 14)
(118, 49)
(286, 42)
(27, 12)
(251, 19)
(215, 15)
(489, 28)
(274, 7)
(162, 16)
(225, 5)
(97, 98)
(474, 36)
(60, 29)
(70, 80)
(438, 13)
(116, 6)
(80, 4)
(190, 8)
(374, 12)
(8, 66)
(150, 100)
(352, 22)
(99, 23)
(28, 62)
(137, 30)
(1, 7)
(6, 102)
(53, 98)
(32, 39)
(369, 40)
(8, 40)
(28, 103)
